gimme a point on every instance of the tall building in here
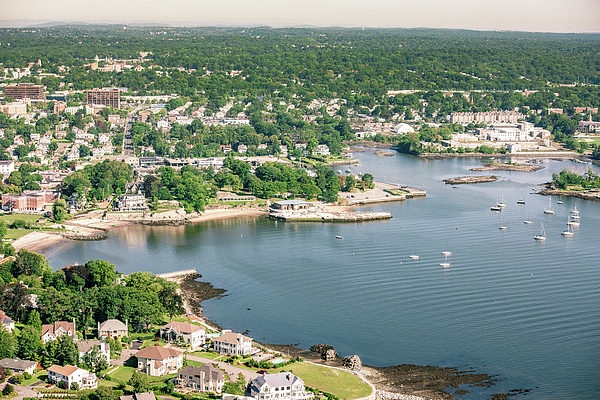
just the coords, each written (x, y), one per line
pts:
(106, 97)
(25, 91)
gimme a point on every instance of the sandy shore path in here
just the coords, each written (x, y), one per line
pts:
(38, 241)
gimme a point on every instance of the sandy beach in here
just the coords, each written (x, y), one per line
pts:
(38, 241)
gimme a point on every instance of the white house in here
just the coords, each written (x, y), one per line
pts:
(321, 150)
(6, 322)
(86, 347)
(6, 167)
(190, 334)
(233, 343)
(18, 366)
(70, 375)
(280, 386)
(159, 361)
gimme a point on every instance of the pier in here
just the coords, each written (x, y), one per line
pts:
(177, 274)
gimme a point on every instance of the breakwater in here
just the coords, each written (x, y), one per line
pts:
(328, 216)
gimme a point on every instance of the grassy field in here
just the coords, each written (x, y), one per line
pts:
(192, 363)
(25, 217)
(591, 141)
(206, 354)
(342, 384)
(17, 233)
(40, 376)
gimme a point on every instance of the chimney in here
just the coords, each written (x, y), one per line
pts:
(98, 330)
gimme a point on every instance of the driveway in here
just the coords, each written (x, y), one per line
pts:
(125, 355)
(23, 391)
(233, 371)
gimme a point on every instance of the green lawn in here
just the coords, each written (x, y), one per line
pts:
(206, 354)
(25, 217)
(590, 141)
(192, 363)
(122, 374)
(342, 384)
(40, 376)
(17, 233)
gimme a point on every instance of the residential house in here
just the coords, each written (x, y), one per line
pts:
(86, 347)
(280, 386)
(6, 322)
(159, 361)
(204, 379)
(130, 202)
(6, 167)
(242, 148)
(321, 150)
(233, 343)
(19, 366)
(104, 137)
(71, 374)
(52, 332)
(112, 328)
(190, 334)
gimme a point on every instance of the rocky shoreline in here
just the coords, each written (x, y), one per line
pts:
(462, 180)
(593, 195)
(399, 382)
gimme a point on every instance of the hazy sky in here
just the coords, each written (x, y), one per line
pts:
(521, 15)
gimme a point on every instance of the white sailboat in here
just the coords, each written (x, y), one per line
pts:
(549, 210)
(414, 255)
(502, 226)
(569, 231)
(575, 213)
(501, 204)
(542, 235)
(528, 221)
(572, 221)
(522, 199)
(446, 253)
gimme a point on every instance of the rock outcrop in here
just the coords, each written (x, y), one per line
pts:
(353, 363)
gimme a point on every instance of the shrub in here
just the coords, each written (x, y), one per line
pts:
(26, 375)
(8, 389)
(18, 379)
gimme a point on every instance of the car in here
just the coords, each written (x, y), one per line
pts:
(262, 371)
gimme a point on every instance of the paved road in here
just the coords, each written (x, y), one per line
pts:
(23, 391)
(229, 369)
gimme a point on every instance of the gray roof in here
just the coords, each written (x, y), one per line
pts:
(16, 364)
(279, 379)
(86, 345)
(211, 372)
(112, 325)
(291, 202)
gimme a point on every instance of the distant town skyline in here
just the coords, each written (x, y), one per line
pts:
(513, 15)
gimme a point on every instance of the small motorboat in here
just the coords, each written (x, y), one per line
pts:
(414, 257)
(496, 208)
(339, 237)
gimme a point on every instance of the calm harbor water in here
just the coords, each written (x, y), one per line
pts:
(526, 311)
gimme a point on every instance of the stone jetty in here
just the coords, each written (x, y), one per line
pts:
(323, 215)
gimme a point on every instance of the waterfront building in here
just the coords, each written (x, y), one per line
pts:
(280, 386)
(159, 361)
(321, 150)
(25, 91)
(233, 343)
(190, 334)
(403, 129)
(286, 205)
(130, 202)
(204, 379)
